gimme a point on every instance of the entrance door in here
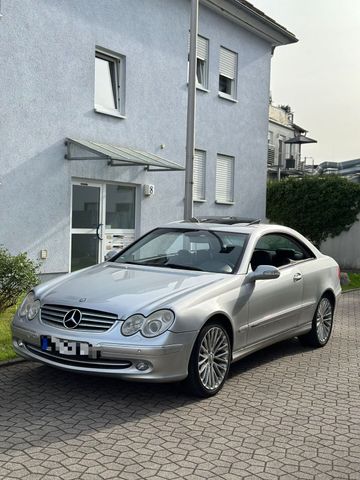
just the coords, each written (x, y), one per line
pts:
(86, 225)
(103, 219)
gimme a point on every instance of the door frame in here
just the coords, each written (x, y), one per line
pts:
(88, 231)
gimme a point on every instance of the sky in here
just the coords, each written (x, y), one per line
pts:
(319, 76)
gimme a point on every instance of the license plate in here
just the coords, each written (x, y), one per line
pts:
(68, 347)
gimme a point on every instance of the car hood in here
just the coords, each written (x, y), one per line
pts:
(125, 289)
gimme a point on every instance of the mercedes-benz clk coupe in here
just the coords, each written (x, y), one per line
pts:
(182, 303)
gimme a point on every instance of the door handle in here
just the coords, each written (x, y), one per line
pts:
(297, 277)
(97, 231)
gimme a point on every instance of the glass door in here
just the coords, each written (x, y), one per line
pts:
(86, 226)
(119, 212)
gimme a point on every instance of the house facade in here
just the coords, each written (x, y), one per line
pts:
(93, 97)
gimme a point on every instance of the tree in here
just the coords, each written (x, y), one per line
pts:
(316, 206)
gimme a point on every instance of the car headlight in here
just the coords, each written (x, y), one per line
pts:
(30, 307)
(132, 325)
(151, 326)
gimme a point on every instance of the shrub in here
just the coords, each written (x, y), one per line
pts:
(318, 206)
(17, 275)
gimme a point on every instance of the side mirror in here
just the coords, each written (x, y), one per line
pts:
(111, 254)
(263, 272)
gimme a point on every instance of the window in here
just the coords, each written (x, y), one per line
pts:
(202, 70)
(120, 207)
(225, 179)
(199, 175)
(280, 250)
(109, 83)
(227, 73)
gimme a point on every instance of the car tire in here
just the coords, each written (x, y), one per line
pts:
(322, 324)
(210, 361)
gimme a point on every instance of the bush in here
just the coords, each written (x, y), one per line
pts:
(318, 206)
(17, 275)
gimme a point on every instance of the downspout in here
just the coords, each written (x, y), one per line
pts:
(191, 111)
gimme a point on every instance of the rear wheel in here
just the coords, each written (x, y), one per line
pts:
(321, 325)
(209, 361)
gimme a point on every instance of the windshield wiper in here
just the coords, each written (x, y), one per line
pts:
(131, 263)
(182, 267)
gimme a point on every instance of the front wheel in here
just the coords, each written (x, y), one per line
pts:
(210, 361)
(321, 326)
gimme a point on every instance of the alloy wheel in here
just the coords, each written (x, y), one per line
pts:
(324, 319)
(214, 356)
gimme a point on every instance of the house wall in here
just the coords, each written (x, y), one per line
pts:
(47, 52)
(345, 248)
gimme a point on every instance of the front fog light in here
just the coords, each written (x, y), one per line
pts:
(142, 366)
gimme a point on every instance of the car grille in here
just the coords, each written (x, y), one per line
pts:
(91, 321)
(79, 361)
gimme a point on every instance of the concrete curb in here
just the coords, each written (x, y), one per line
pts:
(351, 290)
(7, 363)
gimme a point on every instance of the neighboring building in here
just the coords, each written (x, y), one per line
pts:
(104, 83)
(348, 168)
(284, 158)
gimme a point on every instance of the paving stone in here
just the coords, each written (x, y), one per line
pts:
(286, 412)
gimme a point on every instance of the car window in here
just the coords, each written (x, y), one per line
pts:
(279, 250)
(205, 250)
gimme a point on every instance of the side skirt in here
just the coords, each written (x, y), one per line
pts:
(294, 332)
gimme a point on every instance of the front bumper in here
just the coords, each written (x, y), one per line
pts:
(166, 358)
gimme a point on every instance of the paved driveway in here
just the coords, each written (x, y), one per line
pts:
(287, 412)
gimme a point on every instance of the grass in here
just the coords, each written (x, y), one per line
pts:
(6, 350)
(354, 282)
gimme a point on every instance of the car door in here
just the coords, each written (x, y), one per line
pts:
(274, 305)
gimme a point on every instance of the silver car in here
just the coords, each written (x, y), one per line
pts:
(182, 303)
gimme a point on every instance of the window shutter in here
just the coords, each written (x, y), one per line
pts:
(199, 170)
(224, 179)
(202, 47)
(228, 63)
(271, 154)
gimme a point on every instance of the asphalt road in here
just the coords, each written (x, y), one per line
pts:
(287, 412)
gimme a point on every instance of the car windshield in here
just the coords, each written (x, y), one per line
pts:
(185, 249)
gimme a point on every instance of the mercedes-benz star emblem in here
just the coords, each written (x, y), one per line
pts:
(72, 318)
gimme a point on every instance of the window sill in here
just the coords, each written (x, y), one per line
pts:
(227, 97)
(111, 113)
(199, 200)
(223, 202)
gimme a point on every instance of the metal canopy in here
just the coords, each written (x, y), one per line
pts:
(118, 156)
(300, 139)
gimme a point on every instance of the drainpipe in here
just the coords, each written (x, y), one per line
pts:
(191, 110)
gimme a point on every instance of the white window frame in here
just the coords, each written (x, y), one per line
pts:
(119, 66)
(222, 195)
(200, 155)
(228, 71)
(202, 55)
